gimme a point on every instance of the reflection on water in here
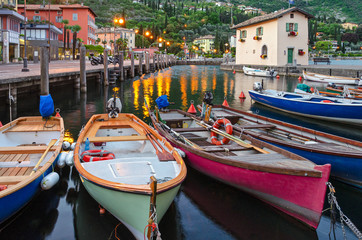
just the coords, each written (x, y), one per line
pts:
(204, 209)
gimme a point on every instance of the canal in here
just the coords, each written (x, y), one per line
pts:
(204, 208)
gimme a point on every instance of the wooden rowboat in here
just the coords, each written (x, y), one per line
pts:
(29, 148)
(316, 77)
(287, 181)
(259, 72)
(344, 155)
(124, 184)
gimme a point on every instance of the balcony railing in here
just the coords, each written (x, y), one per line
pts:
(92, 25)
(92, 36)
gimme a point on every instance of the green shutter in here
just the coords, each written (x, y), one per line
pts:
(257, 33)
(296, 27)
(245, 33)
(287, 27)
(261, 31)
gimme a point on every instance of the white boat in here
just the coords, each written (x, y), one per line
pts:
(259, 72)
(119, 160)
(316, 77)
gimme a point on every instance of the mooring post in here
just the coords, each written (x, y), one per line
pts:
(44, 71)
(147, 70)
(105, 69)
(132, 64)
(83, 76)
(153, 186)
(140, 56)
(154, 62)
(158, 62)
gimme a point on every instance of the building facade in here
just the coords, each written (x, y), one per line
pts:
(350, 26)
(205, 43)
(111, 34)
(9, 31)
(76, 14)
(275, 39)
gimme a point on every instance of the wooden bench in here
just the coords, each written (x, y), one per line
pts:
(6, 180)
(25, 149)
(316, 60)
(117, 138)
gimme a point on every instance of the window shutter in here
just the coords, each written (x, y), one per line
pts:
(245, 33)
(296, 27)
(261, 31)
(287, 27)
(257, 33)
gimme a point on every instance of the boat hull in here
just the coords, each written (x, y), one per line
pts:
(131, 208)
(287, 193)
(259, 73)
(330, 79)
(346, 169)
(329, 111)
(14, 202)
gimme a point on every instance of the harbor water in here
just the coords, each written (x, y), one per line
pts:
(204, 208)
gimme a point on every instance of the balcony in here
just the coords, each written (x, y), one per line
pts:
(92, 36)
(92, 25)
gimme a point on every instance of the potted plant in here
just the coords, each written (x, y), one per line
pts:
(301, 52)
(20, 60)
(292, 33)
(263, 56)
(257, 38)
(241, 40)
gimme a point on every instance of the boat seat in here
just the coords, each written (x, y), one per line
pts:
(117, 138)
(25, 149)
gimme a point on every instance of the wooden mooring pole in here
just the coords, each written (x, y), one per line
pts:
(153, 186)
(83, 76)
(132, 64)
(105, 64)
(44, 71)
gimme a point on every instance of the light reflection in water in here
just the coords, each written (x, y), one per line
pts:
(183, 86)
(136, 93)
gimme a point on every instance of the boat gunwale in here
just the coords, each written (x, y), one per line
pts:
(305, 73)
(41, 169)
(299, 128)
(244, 164)
(124, 187)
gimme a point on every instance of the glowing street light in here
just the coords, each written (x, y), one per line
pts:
(119, 21)
(160, 39)
(147, 33)
(136, 31)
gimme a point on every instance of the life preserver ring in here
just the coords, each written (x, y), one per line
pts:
(96, 155)
(229, 130)
(327, 101)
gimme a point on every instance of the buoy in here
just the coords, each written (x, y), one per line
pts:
(192, 108)
(300, 78)
(278, 77)
(61, 159)
(1, 124)
(234, 72)
(101, 210)
(69, 158)
(72, 146)
(57, 114)
(312, 89)
(225, 103)
(49, 181)
(242, 95)
(3, 187)
(66, 145)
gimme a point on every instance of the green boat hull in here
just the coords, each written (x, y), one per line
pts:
(132, 209)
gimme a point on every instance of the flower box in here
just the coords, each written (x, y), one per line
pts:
(242, 40)
(257, 38)
(292, 33)
(301, 52)
(263, 56)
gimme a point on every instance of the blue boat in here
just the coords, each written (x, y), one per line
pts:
(344, 155)
(314, 106)
(29, 148)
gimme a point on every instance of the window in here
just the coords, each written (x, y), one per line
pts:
(243, 34)
(264, 50)
(59, 12)
(292, 27)
(75, 16)
(36, 12)
(292, 15)
(37, 18)
(259, 31)
(58, 19)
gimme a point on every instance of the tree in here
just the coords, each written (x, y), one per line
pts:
(98, 40)
(104, 42)
(65, 28)
(350, 37)
(323, 45)
(75, 29)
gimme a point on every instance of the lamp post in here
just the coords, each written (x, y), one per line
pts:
(25, 63)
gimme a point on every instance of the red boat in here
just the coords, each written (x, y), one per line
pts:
(291, 183)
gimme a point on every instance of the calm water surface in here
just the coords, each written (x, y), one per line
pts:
(204, 208)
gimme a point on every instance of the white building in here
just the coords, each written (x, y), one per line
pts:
(278, 38)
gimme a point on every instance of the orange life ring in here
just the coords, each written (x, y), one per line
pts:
(229, 130)
(96, 155)
(327, 101)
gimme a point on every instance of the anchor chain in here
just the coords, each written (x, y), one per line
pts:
(332, 200)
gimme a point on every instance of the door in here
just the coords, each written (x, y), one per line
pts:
(290, 55)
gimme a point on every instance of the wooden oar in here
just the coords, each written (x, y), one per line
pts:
(188, 142)
(224, 134)
(52, 142)
(162, 156)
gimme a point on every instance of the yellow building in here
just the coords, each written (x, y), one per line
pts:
(112, 34)
(205, 43)
(278, 38)
(349, 25)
